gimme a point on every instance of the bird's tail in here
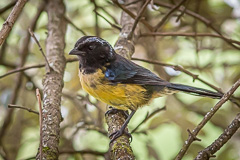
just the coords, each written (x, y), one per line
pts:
(195, 91)
(201, 92)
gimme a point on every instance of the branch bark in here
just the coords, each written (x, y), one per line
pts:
(8, 24)
(120, 148)
(222, 139)
(53, 80)
(192, 135)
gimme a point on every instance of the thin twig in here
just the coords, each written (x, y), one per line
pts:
(139, 15)
(206, 118)
(220, 141)
(130, 3)
(147, 117)
(90, 127)
(22, 69)
(40, 48)
(175, 67)
(180, 68)
(21, 107)
(38, 95)
(23, 52)
(195, 28)
(187, 35)
(77, 28)
(8, 24)
(33, 66)
(200, 18)
(133, 15)
(113, 18)
(164, 19)
(112, 24)
(97, 29)
(182, 12)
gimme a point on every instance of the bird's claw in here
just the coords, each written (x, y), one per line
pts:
(119, 133)
(114, 111)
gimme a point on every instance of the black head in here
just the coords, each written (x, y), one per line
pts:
(93, 51)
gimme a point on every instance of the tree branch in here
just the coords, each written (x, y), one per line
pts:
(139, 15)
(112, 24)
(97, 29)
(23, 52)
(164, 19)
(200, 18)
(187, 35)
(147, 117)
(133, 15)
(220, 141)
(40, 48)
(207, 117)
(32, 67)
(180, 68)
(38, 95)
(120, 148)
(76, 27)
(53, 80)
(24, 108)
(8, 24)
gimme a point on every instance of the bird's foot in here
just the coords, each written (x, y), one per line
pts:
(115, 111)
(122, 130)
(118, 134)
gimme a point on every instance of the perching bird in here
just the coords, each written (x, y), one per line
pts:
(119, 82)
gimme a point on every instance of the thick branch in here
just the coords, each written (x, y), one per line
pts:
(120, 148)
(53, 80)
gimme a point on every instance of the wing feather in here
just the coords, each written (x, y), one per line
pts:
(125, 71)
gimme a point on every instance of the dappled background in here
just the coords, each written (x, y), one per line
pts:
(215, 60)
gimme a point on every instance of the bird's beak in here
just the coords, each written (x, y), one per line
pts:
(76, 52)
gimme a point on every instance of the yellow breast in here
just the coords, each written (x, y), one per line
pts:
(120, 96)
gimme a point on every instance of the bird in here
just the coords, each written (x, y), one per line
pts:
(121, 83)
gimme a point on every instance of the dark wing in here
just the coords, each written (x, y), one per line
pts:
(125, 71)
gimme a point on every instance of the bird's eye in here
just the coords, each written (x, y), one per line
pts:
(91, 47)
